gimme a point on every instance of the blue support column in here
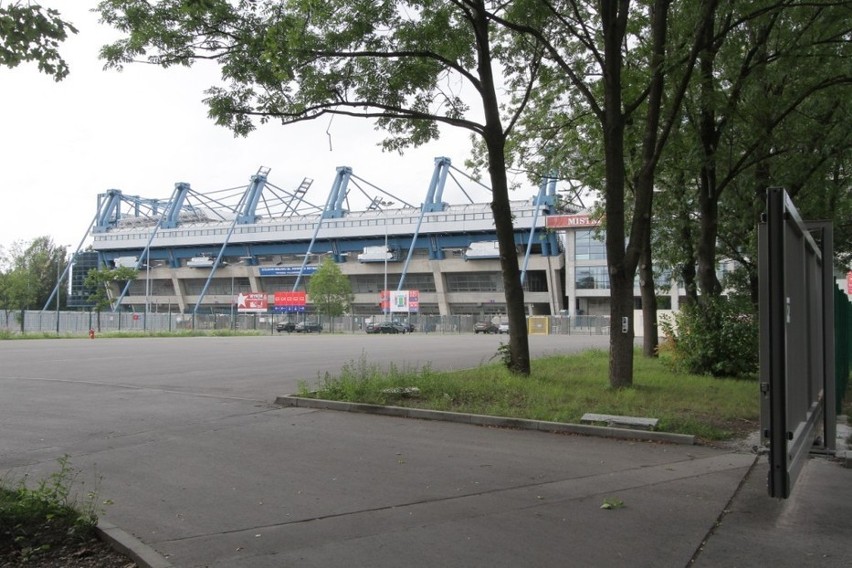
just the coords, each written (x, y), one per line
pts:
(171, 217)
(108, 210)
(435, 193)
(248, 212)
(334, 207)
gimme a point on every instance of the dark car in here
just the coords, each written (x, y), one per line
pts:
(308, 327)
(385, 327)
(408, 327)
(484, 327)
(287, 326)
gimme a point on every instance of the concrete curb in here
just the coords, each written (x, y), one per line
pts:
(483, 420)
(135, 549)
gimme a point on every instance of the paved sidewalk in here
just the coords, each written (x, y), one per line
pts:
(400, 492)
(811, 528)
(296, 487)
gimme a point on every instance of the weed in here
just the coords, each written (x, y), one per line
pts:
(612, 503)
(34, 518)
(504, 352)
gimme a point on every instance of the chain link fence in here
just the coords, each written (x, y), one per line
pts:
(80, 323)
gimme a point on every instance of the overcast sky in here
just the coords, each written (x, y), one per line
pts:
(144, 129)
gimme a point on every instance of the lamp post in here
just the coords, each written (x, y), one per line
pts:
(233, 323)
(386, 301)
(243, 260)
(147, 287)
(385, 292)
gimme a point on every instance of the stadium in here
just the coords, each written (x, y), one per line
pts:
(249, 246)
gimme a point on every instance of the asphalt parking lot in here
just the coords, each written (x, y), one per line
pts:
(181, 436)
(256, 368)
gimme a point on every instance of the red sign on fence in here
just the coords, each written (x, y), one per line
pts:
(290, 299)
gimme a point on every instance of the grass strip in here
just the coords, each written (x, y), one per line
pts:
(560, 389)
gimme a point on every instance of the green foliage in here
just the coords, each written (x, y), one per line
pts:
(29, 32)
(329, 289)
(732, 145)
(504, 353)
(28, 273)
(101, 280)
(717, 336)
(49, 512)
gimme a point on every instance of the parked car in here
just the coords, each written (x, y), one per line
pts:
(484, 327)
(287, 326)
(308, 327)
(386, 327)
(503, 328)
(408, 327)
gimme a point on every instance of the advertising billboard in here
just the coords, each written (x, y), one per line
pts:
(290, 301)
(252, 302)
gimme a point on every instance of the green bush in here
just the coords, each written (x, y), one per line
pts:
(717, 336)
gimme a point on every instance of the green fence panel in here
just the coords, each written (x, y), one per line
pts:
(843, 344)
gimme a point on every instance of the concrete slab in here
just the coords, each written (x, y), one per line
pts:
(811, 528)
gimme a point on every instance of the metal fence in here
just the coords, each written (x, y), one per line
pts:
(79, 323)
(797, 342)
(843, 341)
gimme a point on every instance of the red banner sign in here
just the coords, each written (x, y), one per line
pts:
(569, 221)
(290, 298)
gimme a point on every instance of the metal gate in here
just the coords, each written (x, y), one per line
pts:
(796, 339)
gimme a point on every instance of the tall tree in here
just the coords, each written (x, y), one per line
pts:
(769, 107)
(30, 271)
(616, 69)
(410, 66)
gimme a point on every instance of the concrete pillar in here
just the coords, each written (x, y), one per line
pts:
(554, 287)
(570, 282)
(440, 288)
(180, 292)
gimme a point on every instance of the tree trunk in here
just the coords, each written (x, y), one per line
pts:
(708, 207)
(687, 269)
(650, 338)
(644, 182)
(495, 141)
(621, 331)
(513, 290)
(614, 21)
